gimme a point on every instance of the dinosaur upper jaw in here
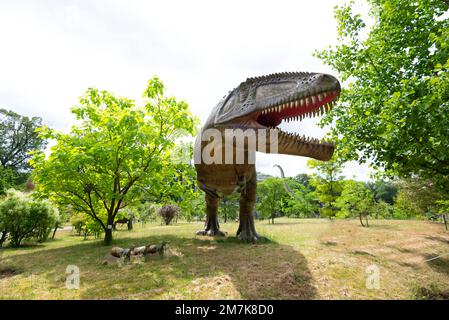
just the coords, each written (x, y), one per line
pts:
(295, 109)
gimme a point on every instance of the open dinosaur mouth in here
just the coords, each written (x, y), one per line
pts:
(297, 110)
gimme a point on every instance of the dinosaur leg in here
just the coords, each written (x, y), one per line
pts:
(247, 231)
(212, 228)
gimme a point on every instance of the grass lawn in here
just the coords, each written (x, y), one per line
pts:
(297, 259)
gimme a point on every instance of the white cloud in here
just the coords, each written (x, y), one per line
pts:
(51, 51)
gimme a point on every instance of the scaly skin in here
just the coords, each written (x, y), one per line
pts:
(259, 104)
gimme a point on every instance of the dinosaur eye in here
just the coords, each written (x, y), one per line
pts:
(273, 89)
(229, 103)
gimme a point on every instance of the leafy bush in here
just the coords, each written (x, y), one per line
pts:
(382, 210)
(148, 212)
(86, 225)
(23, 217)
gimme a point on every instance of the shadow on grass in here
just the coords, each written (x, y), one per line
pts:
(196, 267)
(440, 265)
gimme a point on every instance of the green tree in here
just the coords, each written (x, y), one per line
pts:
(270, 193)
(301, 202)
(327, 181)
(355, 200)
(146, 212)
(18, 137)
(9, 178)
(394, 109)
(116, 152)
(383, 191)
(229, 207)
(304, 179)
(382, 210)
(417, 198)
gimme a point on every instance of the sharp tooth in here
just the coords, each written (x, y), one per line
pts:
(301, 102)
(307, 101)
(320, 97)
(325, 94)
(313, 99)
(296, 104)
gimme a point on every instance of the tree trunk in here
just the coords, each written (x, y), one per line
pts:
(361, 220)
(108, 236)
(54, 232)
(130, 224)
(272, 218)
(444, 220)
(2, 238)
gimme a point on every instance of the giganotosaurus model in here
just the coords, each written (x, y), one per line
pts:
(261, 104)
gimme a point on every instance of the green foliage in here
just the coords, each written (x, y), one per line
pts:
(146, 212)
(327, 181)
(194, 206)
(355, 200)
(300, 204)
(9, 178)
(382, 210)
(416, 198)
(383, 191)
(18, 137)
(394, 108)
(443, 206)
(303, 179)
(229, 207)
(270, 193)
(85, 225)
(117, 153)
(23, 217)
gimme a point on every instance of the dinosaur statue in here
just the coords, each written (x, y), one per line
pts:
(259, 104)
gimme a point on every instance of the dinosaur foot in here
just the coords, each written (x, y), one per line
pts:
(247, 231)
(211, 233)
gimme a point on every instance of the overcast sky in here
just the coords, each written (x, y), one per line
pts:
(51, 51)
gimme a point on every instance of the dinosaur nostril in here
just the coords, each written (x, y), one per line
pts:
(326, 80)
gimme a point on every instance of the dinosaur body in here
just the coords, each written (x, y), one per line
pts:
(257, 106)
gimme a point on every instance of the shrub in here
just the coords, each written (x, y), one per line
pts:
(86, 225)
(168, 213)
(146, 212)
(23, 217)
(382, 210)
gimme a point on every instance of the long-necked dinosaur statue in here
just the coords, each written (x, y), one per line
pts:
(258, 105)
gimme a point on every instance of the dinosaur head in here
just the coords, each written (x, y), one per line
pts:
(264, 102)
